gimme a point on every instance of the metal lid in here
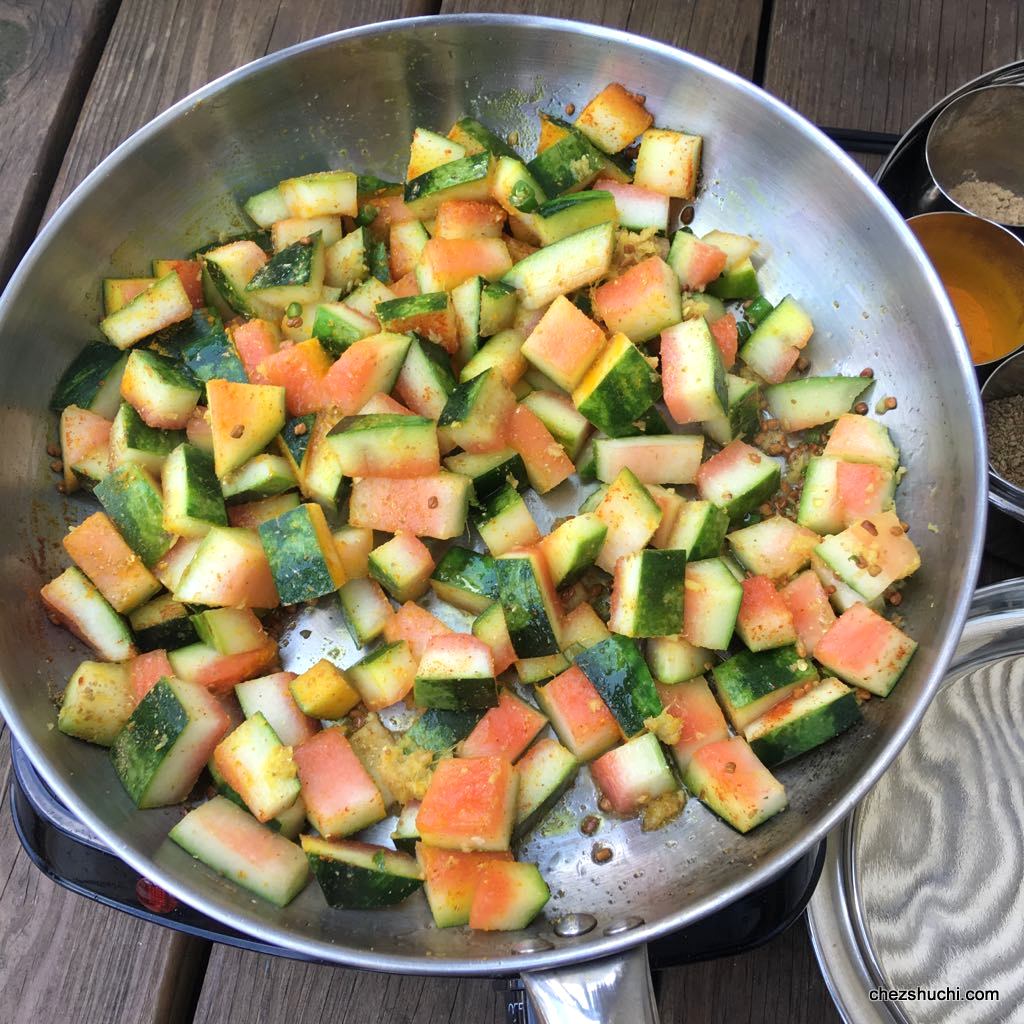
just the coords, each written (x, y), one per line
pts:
(922, 888)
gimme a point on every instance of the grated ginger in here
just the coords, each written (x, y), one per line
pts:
(406, 772)
(632, 247)
(666, 727)
(662, 809)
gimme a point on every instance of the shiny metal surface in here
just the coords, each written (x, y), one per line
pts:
(921, 886)
(612, 989)
(828, 236)
(979, 136)
(45, 803)
(1006, 380)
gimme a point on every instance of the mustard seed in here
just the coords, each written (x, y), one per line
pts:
(1004, 425)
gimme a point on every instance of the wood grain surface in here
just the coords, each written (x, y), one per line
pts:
(777, 984)
(246, 988)
(48, 50)
(879, 64)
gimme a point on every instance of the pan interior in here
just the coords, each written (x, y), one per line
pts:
(352, 101)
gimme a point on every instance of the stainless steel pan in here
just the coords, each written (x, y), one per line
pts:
(352, 100)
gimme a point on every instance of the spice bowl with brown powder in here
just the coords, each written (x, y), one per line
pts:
(975, 153)
(1002, 397)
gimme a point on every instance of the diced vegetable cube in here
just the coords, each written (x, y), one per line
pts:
(229, 569)
(403, 566)
(360, 875)
(749, 684)
(340, 796)
(271, 696)
(564, 343)
(466, 579)
(631, 516)
(700, 718)
(428, 506)
(456, 673)
(234, 844)
(803, 722)
(97, 702)
(641, 302)
(505, 522)
(300, 550)
(323, 692)
(618, 388)
(865, 650)
(72, 601)
(713, 598)
(244, 419)
(509, 895)
(728, 778)
(530, 603)
(632, 775)
(384, 677)
(764, 619)
(668, 162)
(100, 552)
(166, 742)
(470, 804)
(505, 730)
(614, 118)
(647, 594)
(164, 303)
(451, 878)
(578, 714)
(366, 608)
(258, 767)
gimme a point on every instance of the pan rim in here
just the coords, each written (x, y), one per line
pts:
(768, 866)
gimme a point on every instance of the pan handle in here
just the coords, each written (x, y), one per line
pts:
(612, 990)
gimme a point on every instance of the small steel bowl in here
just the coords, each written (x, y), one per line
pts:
(983, 248)
(1006, 380)
(979, 136)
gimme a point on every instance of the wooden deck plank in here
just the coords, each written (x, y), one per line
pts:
(248, 988)
(886, 61)
(725, 31)
(64, 958)
(48, 51)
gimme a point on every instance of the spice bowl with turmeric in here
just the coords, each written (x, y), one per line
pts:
(981, 265)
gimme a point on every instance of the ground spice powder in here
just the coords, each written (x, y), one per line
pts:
(1004, 424)
(989, 200)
